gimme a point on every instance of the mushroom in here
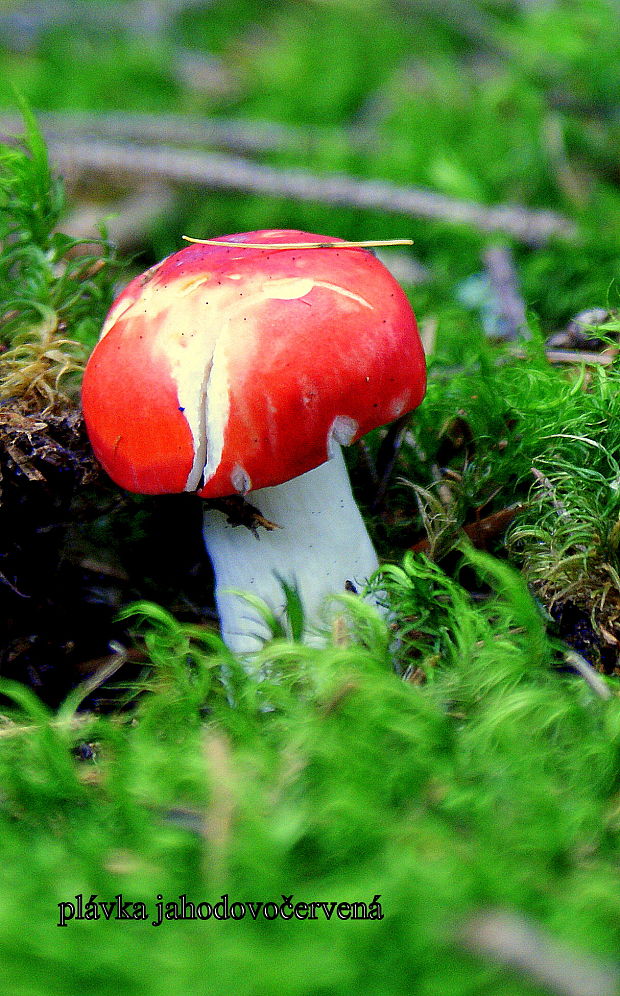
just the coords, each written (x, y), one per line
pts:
(241, 366)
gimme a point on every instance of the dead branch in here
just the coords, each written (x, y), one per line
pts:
(603, 359)
(580, 333)
(218, 820)
(520, 944)
(230, 134)
(481, 532)
(126, 220)
(589, 675)
(504, 285)
(24, 23)
(233, 173)
(9, 729)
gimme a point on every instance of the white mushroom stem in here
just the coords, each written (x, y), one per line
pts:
(322, 544)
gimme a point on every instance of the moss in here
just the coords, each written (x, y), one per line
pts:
(324, 776)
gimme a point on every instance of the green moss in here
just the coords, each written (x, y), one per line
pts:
(55, 290)
(330, 778)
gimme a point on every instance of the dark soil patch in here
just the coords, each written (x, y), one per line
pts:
(74, 550)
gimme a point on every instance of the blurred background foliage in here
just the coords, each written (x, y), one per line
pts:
(494, 102)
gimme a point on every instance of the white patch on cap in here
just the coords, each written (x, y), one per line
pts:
(217, 405)
(118, 310)
(187, 285)
(124, 302)
(288, 288)
(215, 401)
(399, 406)
(191, 391)
(342, 431)
(241, 480)
(343, 292)
(205, 404)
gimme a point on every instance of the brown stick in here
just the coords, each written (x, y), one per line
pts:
(231, 134)
(126, 220)
(589, 675)
(504, 285)
(232, 173)
(23, 23)
(522, 945)
(480, 532)
(576, 357)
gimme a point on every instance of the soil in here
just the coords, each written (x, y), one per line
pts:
(74, 550)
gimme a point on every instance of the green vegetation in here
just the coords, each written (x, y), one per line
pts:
(48, 281)
(435, 765)
(492, 102)
(493, 785)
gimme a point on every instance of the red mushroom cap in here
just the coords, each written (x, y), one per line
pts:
(226, 369)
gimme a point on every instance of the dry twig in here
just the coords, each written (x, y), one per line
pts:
(217, 824)
(519, 944)
(504, 285)
(231, 134)
(233, 173)
(126, 220)
(22, 24)
(589, 675)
